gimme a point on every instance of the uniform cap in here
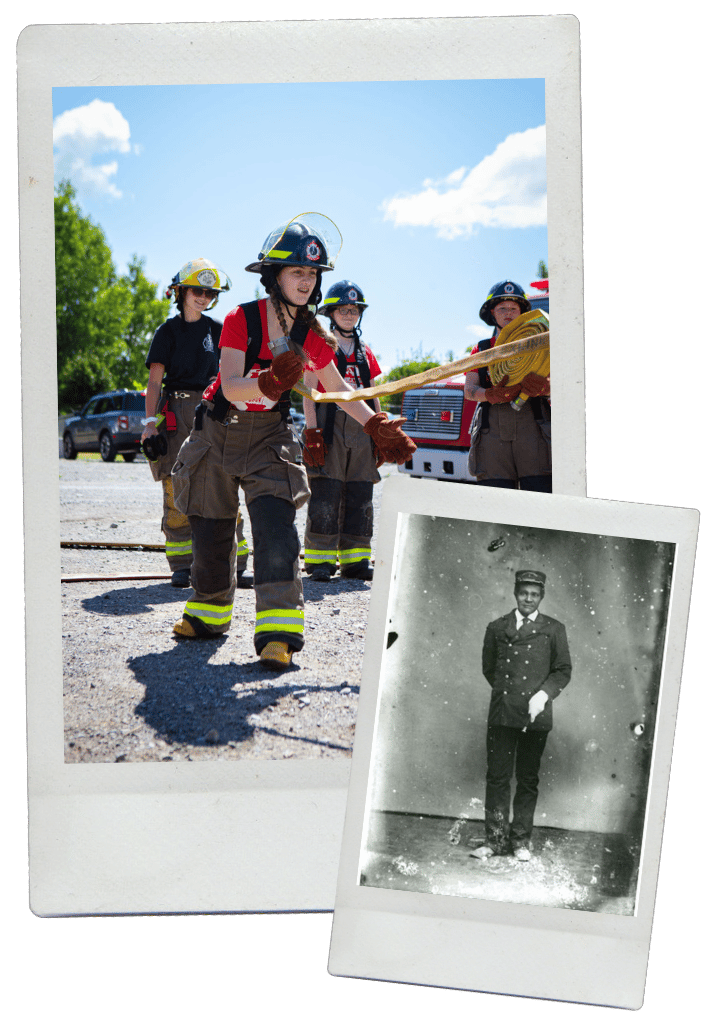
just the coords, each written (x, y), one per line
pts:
(530, 578)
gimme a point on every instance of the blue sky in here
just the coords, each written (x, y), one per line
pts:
(438, 188)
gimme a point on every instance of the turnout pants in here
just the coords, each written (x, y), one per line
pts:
(513, 451)
(174, 524)
(506, 747)
(255, 450)
(340, 514)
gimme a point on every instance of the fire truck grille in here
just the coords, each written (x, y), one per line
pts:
(433, 414)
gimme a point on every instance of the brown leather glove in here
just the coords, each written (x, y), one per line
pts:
(391, 441)
(502, 393)
(535, 386)
(314, 450)
(282, 375)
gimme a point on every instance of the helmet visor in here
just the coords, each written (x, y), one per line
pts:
(322, 227)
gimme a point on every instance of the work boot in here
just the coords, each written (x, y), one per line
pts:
(185, 629)
(521, 854)
(276, 655)
(244, 580)
(192, 627)
(361, 571)
(483, 852)
(321, 572)
(181, 578)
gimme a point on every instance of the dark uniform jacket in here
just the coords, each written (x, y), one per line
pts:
(517, 663)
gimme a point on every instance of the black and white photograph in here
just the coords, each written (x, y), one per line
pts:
(514, 738)
(516, 720)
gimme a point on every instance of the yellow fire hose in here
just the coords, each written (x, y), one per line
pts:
(517, 367)
(532, 342)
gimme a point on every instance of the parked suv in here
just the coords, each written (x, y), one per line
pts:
(109, 423)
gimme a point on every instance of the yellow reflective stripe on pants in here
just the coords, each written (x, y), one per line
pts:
(209, 613)
(177, 549)
(320, 556)
(351, 556)
(280, 620)
(242, 549)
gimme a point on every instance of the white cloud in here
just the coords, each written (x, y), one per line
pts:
(83, 136)
(480, 331)
(506, 189)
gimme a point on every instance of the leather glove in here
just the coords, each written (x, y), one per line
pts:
(282, 375)
(535, 386)
(155, 446)
(537, 704)
(391, 441)
(314, 449)
(502, 393)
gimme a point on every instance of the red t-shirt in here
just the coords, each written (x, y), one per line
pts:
(352, 375)
(235, 334)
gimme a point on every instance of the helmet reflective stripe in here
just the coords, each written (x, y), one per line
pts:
(275, 253)
(209, 613)
(320, 556)
(280, 620)
(350, 556)
(178, 549)
(331, 301)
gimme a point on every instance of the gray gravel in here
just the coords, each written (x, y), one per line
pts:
(135, 693)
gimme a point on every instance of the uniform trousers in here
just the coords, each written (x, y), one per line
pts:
(507, 747)
(515, 448)
(174, 524)
(340, 515)
(258, 452)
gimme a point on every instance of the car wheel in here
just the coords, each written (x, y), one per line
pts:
(129, 457)
(106, 447)
(69, 450)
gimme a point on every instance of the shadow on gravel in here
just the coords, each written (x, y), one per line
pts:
(315, 591)
(127, 601)
(188, 700)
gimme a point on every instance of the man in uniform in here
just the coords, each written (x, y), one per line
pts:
(527, 663)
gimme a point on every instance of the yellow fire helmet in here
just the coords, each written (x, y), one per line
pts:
(200, 273)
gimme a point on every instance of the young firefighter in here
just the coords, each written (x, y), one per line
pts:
(182, 361)
(510, 448)
(241, 437)
(338, 453)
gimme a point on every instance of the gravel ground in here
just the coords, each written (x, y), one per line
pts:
(134, 693)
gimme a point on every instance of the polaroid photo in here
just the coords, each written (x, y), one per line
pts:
(519, 694)
(177, 776)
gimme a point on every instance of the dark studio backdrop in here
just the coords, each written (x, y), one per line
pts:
(455, 576)
(647, 173)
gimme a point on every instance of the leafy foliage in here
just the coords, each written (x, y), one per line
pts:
(105, 322)
(416, 362)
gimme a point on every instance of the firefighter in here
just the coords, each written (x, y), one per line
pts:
(510, 448)
(241, 437)
(182, 361)
(338, 454)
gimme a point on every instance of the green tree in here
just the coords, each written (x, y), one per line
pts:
(416, 362)
(542, 270)
(104, 322)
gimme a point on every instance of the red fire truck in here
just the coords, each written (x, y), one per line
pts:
(439, 420)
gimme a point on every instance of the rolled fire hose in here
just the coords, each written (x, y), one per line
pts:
(532, 342)
(518, 366)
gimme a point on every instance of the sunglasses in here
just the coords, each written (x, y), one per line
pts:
(198, 292)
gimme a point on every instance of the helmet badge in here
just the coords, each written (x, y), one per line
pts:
(352, 294)
(207, 278)
(509, 289)
(312, 251)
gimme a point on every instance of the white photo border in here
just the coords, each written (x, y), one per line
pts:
(474, 944)
(110, 838)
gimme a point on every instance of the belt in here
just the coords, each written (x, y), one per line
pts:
(182, 393)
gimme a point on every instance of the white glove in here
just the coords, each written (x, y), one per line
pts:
(537, 704)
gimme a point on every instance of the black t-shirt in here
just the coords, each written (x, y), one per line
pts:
(188, 352)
